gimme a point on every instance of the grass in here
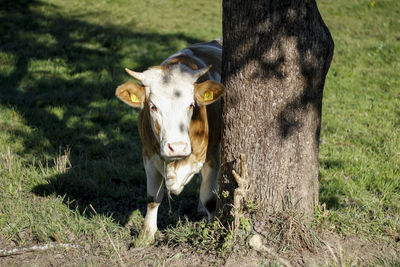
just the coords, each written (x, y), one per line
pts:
(67, 142)
(360, 142)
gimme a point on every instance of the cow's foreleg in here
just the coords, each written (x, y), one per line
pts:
(208, 188)
(155, 193)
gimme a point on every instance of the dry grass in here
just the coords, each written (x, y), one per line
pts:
(286, 231)
(62, 162)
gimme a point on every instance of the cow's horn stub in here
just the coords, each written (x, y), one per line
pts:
(135, 75)
(202, 71)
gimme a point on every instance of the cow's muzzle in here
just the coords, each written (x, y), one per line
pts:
(176, 150)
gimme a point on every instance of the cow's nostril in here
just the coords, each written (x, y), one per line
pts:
(170, 147)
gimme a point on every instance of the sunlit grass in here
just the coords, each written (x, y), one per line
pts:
(360, 140)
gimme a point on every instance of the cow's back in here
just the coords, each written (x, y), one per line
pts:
(203, 55)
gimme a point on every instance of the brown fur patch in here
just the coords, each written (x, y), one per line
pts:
(199, 133)
(183, 60)
(157, 128)
(152, 205)
(158, 67)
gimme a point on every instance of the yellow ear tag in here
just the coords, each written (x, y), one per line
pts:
(134, 98)
(209, 95)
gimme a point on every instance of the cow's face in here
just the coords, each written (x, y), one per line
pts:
(170, 96)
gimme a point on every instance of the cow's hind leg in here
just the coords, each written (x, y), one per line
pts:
(155, 194)
(208, 188)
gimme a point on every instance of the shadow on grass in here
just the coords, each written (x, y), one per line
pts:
(330, 192)
(331, 164)
(61, 77)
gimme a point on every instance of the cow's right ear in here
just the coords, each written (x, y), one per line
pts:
(132, 94)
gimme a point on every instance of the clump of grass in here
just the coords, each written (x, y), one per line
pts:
(200, 236)
(286, 230)
(62, 162)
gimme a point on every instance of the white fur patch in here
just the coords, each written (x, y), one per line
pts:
(150, 221)
(178, 176)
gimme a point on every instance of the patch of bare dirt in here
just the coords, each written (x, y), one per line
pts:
(54, 257)
(332, 250)
(352, 251)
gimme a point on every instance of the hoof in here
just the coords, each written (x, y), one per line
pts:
(144, 239)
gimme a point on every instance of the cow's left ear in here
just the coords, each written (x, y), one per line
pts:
(132, 94)
(207, 92)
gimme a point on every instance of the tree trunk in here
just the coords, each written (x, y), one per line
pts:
(276, 55)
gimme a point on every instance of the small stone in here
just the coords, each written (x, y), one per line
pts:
(255, 242)
(259, 226)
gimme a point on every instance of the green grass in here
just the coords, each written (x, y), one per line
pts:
(360, 142)
(67, 142)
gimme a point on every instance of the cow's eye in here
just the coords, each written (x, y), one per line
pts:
(153, 108)
(191, 106)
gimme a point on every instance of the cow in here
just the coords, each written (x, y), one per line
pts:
(179, 125)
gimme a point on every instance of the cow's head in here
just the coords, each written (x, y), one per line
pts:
(170, 94)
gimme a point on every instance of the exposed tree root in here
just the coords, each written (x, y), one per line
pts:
(256, 243)
(240, 194)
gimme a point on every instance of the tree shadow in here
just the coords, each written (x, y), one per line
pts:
(61, 76)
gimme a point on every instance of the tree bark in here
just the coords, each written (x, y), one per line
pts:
(276, 55)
